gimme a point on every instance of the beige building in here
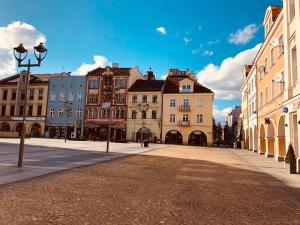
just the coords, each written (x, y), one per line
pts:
(145, 110)
(12, 100)
(291, 43)
(187, 110)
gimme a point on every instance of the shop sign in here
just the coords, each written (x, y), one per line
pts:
(29, 118)
(173, 132)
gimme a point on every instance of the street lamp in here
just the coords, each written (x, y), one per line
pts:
(68, 105)
(142, 108)
(20, 54)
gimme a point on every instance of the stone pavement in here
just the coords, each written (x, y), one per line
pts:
(174, 185)
(44, 156)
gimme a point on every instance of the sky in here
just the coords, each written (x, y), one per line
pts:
(212, 39)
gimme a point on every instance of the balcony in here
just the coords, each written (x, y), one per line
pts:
(184, 108)
(184, 123)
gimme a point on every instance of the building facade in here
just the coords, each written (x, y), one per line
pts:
(145, 110)
(252, 110)
(233, 127)
(187, 110)
(106, 101)
(66, 107)
(270, 65)
(291, 45)
(12, 95)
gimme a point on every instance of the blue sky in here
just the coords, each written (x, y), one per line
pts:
(126, 32)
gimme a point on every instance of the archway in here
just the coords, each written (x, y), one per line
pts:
(251, 140)
(36, 130)
(270, 139)
(173, 137)
(197, 138)
(281, 138)
(18, 128)
(262, 141)
(255, 139)
(143, 132)
(4, 127)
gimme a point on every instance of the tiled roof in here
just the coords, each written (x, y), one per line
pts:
(147, 85)
(172, 85)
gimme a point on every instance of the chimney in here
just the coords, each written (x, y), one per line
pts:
(115, 65)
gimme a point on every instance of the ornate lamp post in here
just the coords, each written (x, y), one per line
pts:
(20, 54)
(141, 108)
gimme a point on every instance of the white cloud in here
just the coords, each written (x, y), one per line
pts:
(225, 80)
(187, 39)
(207, 53)
(161, 30)
(244, 36)
(220, 114)
(99, 61)
(11, 36)
(214, 42)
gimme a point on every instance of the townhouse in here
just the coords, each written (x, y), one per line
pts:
(187, 110)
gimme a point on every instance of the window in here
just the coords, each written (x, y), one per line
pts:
(79, 113)
(294, 66)
(93, 98)
(93, 84)
(118, 114)
(51, 113)
(172, 103)
(3, 110)
(22, 94)
(79, 96)
(186, 103)
(272, 57)
(21, 110)
(154, 99)
(71, 96)
(12, 110)
(266, 65)
(291, 9)
(41, 93)
(122, 114)
(133, 114)
(199, 118)
(39, 110)
(122, 83)
(261, 99)
(120, 98)
(69, 112)
(61, 96)
(52, 97)
(144, 114)
(105, 113)
(134, 99)
(23, 78)
(14, 94)
(30, 109)
(4, 97)
(199, 102)
(186, 88)
(273, 90)
(185, 118)
(60, 113)
(266, 100)
(172, 118)
(31, 94)
(281, 45)
(144, 98)
(154, 114)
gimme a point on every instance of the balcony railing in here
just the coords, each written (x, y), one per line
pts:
(184, 108)
(184, 123)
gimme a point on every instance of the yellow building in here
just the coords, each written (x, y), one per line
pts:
(291, 11)
(12, 100)
(144, 110)
(187, 110)
(270, 71)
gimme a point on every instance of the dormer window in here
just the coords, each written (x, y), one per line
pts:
(186, 88)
